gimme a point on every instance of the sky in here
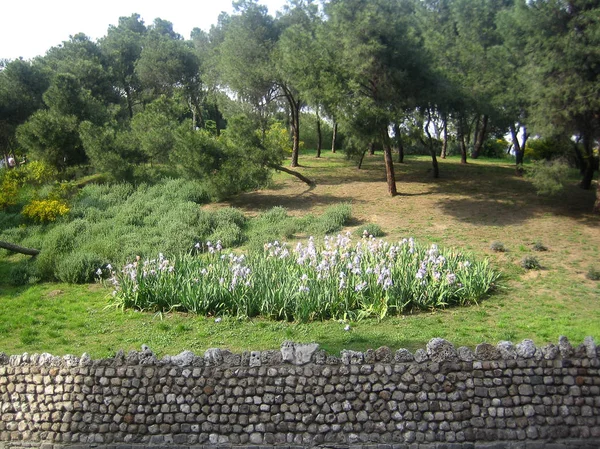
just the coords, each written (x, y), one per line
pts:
(30, 28)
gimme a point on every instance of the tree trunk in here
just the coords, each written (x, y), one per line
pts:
(300, 176)
(480, 137)
(335, 128)
(389, 163)
(362, 157)
(19, 249)
(371, 148)
(462, 143)
(597, 203)
(294, 104)
(399, 143)
(434, 162)
(295, 134)
(519, 149)
(319, 134)
(128, 97)
(588, 174)
(445, 136)
(579, 157)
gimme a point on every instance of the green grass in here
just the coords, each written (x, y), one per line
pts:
(468, 207)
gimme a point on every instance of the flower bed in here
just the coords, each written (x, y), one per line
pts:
(339, 279)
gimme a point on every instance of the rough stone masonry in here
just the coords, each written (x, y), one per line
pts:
(503, 396)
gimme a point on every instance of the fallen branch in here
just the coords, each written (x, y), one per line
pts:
(19, 249)
(293, 173)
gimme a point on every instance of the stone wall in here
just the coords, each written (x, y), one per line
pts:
(442, 397)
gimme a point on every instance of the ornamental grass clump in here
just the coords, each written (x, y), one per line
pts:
(338, 279)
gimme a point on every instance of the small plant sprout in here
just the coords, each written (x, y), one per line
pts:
(593, 274)
(497, 247)
(539, 246)
(530, 263)
(368, 231)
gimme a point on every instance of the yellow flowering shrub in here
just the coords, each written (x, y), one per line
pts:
(9, 188)
(277, 138)
(39, 172)
(45, 211)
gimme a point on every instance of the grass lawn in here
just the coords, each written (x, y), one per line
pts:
(469, 207)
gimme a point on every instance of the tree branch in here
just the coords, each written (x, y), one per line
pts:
(19, 249)
(293, 173)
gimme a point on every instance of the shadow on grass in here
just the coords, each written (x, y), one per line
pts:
(301, 202)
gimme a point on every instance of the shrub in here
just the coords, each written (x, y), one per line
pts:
(498, 247)
(593, 274)
(494, 148)
(58, 242)
(333, 219)
(9, 220)
(548, 178)
(275, 215)
(548, 148)
(229, 234)
(277, 139)
(530, 263)
(38, 172)
(45, 211)
(229, 215)
(370, 229)
(78, 267)
(23, 273)
(9, 187)
(539, 246)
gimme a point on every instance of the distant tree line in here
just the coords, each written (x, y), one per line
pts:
(382, 72)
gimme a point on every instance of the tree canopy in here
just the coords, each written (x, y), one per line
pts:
(389, 72)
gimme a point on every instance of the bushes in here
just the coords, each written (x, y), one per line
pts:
(549, 178)
(333, 219)
(78, 267)
(114, 223)
(45, 211)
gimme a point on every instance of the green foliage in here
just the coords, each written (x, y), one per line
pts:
(23, 273)
(368, 230)
(270, 225)
(52, 137)
(547, 149)
(78, 267)
(497, 247)
(339, 280)
(110, 223)
(548, 178)
(530, 263)
(308, 132)
(110, 150)
(494, 148)
(539, 246)
(332, 220)
(153, 128)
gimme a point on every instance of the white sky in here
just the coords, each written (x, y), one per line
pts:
(30, 27)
